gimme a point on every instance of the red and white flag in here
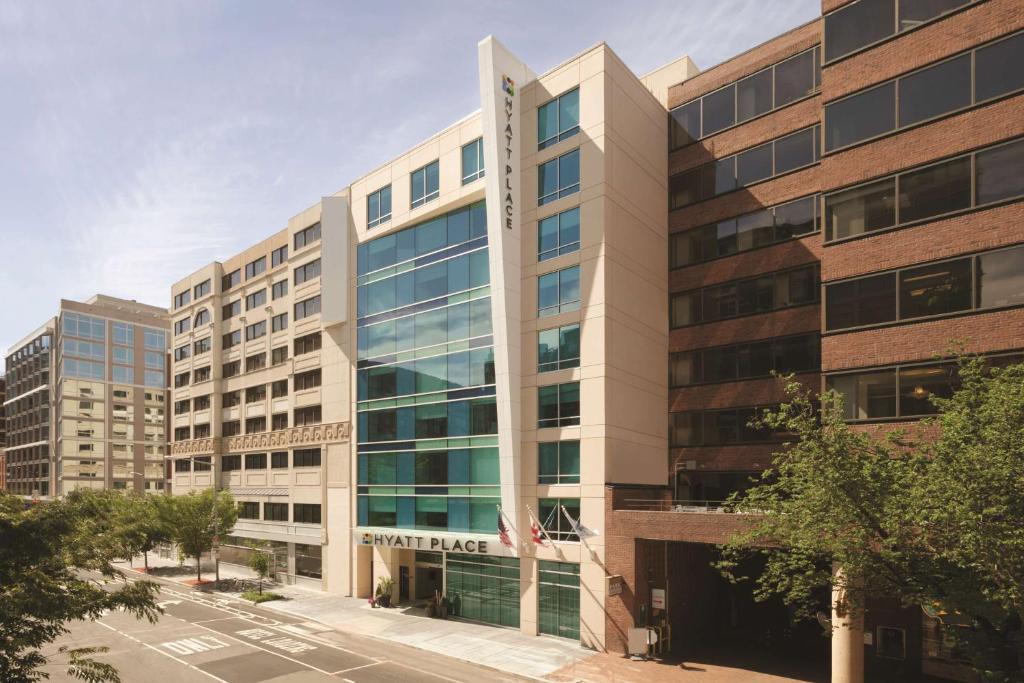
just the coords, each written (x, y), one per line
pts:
(536, 532)
(503, 530)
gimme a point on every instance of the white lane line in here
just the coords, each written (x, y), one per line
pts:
(423, 672)
(210, 621)
(165, 654)
(356, 668)
(253, 645)
(348, 680)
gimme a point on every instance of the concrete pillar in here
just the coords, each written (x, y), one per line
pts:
(847, 638)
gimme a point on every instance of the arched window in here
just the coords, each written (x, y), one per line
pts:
(202, 318)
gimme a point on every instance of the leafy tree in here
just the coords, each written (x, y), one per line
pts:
(54, 559)
(932, 515)
(196, 519)
(142, 524)
(259, 562)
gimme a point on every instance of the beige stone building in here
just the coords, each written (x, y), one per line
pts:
(86, 400)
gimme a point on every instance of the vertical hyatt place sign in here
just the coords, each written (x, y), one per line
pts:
(502, 79)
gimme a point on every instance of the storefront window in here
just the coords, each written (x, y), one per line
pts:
(309, 560)
(558, 602)
(484, 588)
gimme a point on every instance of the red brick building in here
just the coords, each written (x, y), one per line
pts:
(845, 201)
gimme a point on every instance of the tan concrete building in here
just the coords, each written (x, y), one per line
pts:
(86, 400)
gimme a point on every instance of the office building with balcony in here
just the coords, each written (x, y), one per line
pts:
(86, 400)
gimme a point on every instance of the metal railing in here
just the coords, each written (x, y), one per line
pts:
(700, 506)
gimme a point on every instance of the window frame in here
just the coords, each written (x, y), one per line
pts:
(307, 236)
(561, 249)
(255, 267)
(559, 478)
(560, 191)
(381, 217)
(561, 306)
(560, 133)
(278, 256)
(895, 82)
(478, 150)
(427, 195)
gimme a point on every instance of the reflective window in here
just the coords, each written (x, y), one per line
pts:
(866, 395)
(1001, 278)
(425, 184)
(684, 124)
(308, 307)
(307, 271)
(716, 428)
(754, 95)
(795, 151)
(278, 256)
(935, 190)
(558, 462)
(558, 119)
(558, 405)
(935, 289)
(307, 236)
(473, 161)
(861, 116)
(256, 299)
(997, 68)
(1000, 173)
(552, 516)
(558, 292)
(719, 110)
(772, 291)
(796, 77)
(865, 22)
(744, 361)
(256, 267)
(864, 301)
(558, 178)
(936, 90)
(558, 348)
(230, 280)
(753, 165)
(378, 206)
(452, 229)
(558, 234)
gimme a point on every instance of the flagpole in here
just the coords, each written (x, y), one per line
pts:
(542, 529)
(512, 526)
(577, 527)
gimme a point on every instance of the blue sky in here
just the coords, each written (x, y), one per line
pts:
(140, 140)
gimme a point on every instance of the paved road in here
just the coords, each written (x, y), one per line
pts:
(202, 638)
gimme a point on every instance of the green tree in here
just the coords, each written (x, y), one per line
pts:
(142, 524)
(259, 562)
(932, 515)
(196, 519)
(54, 559)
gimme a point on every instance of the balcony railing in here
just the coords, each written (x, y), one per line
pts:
(699, 506)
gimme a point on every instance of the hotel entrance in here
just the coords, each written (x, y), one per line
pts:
(429, 574)
(483, 588)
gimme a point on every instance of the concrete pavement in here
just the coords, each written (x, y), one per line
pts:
(203, 638)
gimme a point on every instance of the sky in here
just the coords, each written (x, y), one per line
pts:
(141, 140)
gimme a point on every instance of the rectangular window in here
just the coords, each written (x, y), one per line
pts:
(860, 210)
(230, 280)
(716, 428)
(279, 421)
(231, 339)
(745, 361)
(184, 464)
(279, 322)
(201, 402)
(202, 289)
(232, 399)
(307, 380)
(279, 355)
(935, 190)
(279, 388)
(182, 352)
(182, 434)
(558, 462)
(275, 512)
(558, 348)
(307, 343)
(473, 161)
(279, 460)
(247, 509)
(754, 165)
(307, 416)
(122, 375)
(559, 119)
(232, 428)
(558, 292)
(255, 461)
(182, 326)
(892, 642)
(278, 256)
(256, 394)
(202, 432)
(776, 86)
(378, 207)
(307, 272)
(307, 236)
(181, 379)
(306, 457)
(558, 405)
(201, 346)
(154, 360)
(256, 330)
(182, 298)
(769, 292)
(232, 309)
(256, 299)
(308, 307)
(256, 362)
(306, 513)
(255, 267)
(552, 517)
(184, 406)
(278, 289)
(255, 425)
(231, 369)
(154, 339)
(924, 94)
(558, 234)
(425, 184)
(230, 463)
(866, 22)
(974, 283)
(558, 178)
(1000, 173)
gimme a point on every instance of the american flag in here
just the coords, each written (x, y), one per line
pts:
(503, 530)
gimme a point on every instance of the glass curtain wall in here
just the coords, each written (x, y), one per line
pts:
(427, 419)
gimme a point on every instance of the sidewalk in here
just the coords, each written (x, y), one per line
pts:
(504, 649)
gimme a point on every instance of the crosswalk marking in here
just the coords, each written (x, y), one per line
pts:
(191, 646)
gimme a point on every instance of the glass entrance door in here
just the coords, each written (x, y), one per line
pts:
(559, 599)
(483, 588)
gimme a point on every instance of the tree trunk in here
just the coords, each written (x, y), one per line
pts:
(145, 559)
(199, 568)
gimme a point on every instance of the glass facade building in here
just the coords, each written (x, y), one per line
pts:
(427, 420)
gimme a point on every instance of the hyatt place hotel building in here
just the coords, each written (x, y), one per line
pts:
(567, 305)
